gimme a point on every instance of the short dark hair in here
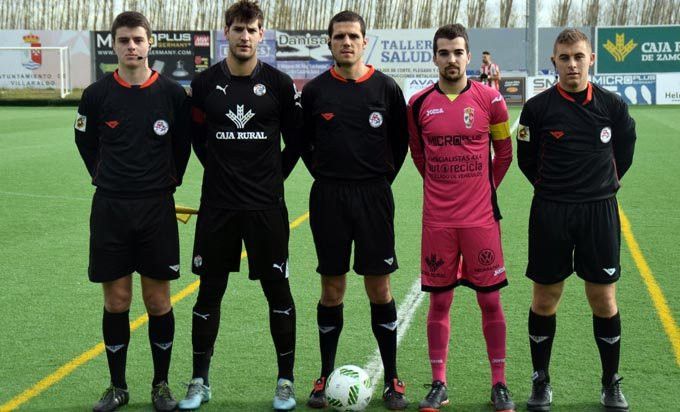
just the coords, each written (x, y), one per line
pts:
(245, 11)
(571, 36)
(347, 16)
(450, 32)
(130, 19)
(486, 52)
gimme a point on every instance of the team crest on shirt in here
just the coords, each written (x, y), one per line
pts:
(469, 117)
(523, 133)
(375, 120)
(259, 89)
(198, 261)
(161, 127)
(81, 123)
(606, 135)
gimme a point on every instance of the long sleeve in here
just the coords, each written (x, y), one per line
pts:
(500, 138)
(181, 137)
(398, 134)
(85, 128)
(308, 136)
(415, 141)
(624, 137)
(291, 127)
(527, 147)
(198, 128)
(502, 150)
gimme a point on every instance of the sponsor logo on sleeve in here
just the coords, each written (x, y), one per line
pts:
(523, 133)
(81, 123)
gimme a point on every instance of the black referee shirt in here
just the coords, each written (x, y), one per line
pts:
(238, 124)
(357, 129)
(575, 148)
(134, 140)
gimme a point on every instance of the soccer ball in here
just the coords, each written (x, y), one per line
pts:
(348, 388)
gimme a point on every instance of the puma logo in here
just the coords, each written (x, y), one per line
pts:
(223, 89)
(283, 312)
(202, 316)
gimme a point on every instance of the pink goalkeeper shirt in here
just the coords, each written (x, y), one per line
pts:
(450, 144)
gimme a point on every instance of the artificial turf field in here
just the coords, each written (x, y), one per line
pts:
(50, 314)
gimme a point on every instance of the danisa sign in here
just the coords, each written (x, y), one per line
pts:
(649, 49)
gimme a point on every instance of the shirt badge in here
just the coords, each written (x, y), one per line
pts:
(375, 120)
(606, 135)
(161, 127)
(469, 117)
(259, 89)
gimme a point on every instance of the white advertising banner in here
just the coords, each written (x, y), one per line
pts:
(537, 84)
(413, 86)
(401, 54)
(668, 88)
(39, 69)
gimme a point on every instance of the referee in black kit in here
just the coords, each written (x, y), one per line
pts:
(355, 120)
(131, 132)
(575, 143)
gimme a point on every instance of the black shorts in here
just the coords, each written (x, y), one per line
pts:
(220, 233)
(133, 235)
(363, 212)
(581, 236)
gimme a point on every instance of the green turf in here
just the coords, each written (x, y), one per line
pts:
(51, 313)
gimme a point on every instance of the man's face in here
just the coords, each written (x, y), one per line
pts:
(243, 39)
(347, 43)
(486, 58)
(129, 44)
(451, 58)
(572, 62)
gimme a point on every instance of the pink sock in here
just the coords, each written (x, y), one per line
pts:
(438, 332)
(493, 325)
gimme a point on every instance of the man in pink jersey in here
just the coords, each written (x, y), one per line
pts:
(452, 125)
(490, 73)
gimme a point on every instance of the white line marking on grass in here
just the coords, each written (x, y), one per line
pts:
(513, 128)
(405, 313)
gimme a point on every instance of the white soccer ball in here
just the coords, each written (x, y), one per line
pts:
(348, 388)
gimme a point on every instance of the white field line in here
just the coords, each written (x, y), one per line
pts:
(405, 313)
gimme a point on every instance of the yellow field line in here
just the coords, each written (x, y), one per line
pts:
(653, 287)
(97, 349)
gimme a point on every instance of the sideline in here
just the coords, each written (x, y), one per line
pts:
(655, 292)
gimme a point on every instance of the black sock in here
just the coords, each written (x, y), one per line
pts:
(384, 325)
(116, 329)
(330, 321)
(541, 335)
(607, 333)
(161, 336)
(281, 324)
(205, 324)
